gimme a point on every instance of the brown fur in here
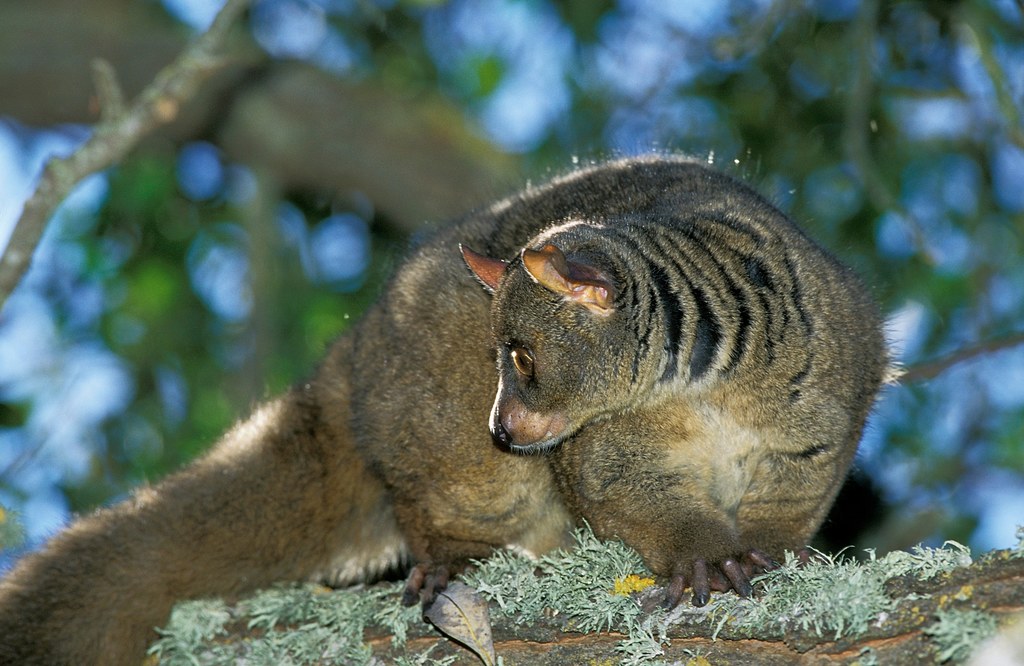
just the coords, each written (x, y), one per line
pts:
(280, 496)
(386, 453)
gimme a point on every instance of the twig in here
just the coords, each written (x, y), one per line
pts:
(108, 90)
(113, 137)
(856, 123)
(932, 369)
(982, 44)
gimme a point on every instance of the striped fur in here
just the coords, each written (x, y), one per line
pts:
(720, 395)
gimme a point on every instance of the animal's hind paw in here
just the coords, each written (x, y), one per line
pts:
(731, 573)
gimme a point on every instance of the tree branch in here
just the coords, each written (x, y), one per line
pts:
(931, 369)
(113, 137)
(905, 632)
(108, 90)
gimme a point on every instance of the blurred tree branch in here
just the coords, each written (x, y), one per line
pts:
(415, 158)
(981, 42)
(932, 369)
(113, 137)
(411, 153)
(857, 121)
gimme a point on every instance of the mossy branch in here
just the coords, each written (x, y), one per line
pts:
(928, 605)
(118, 132)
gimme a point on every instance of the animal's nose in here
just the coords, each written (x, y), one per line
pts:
(501, 434)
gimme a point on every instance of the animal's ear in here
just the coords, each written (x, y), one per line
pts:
(486, 269)
(576, 281)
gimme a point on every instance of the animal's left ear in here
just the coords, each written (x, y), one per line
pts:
(486, 269)
(578, 282)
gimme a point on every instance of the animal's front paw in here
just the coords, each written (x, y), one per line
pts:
(702, 576)
(425, 581)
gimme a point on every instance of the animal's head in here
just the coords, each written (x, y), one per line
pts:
(564, 352)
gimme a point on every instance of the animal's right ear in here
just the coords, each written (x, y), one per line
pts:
(486, 269)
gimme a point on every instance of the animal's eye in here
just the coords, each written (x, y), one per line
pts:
(522, 358)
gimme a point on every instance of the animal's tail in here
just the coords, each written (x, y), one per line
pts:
(283, 496)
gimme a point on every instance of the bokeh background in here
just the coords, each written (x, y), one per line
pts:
(213, 266)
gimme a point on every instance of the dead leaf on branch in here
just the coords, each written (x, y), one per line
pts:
(461, 614)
